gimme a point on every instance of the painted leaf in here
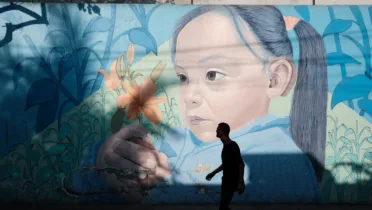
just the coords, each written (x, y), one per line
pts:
(14, 172)
(345, 90)
(64, 130)
(43, 175)
(7, 171)
(26, 174)
(91, 137)
(62, 110)
(352, 157)
(89, 51)
(58, 149)
(61, 50)
(368, 155)
(98, 24)
(17, 74)
(70, 156)
(304, 12)
(46, 114)
(34, 155)
(41, 91)
(366, 105)
(336, 58)
(343, 149)
(66, 63)
(337, 26)
(330, 160)
(86, 84)
(96, 10)
(18, 70)
(369, 139)
(142, 9)
(142, 37)
(117, 120)
(65, 167)
(348, 131)
(345, 140)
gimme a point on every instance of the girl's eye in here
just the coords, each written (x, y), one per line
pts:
(214, 75)
(182, 77)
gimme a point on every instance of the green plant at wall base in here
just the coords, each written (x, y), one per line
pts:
(32, 171)
(350, 160)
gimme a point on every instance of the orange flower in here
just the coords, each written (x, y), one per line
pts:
(111, 80)
(290, 22)
(141, 99)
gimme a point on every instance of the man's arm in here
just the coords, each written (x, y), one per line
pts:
(211, 175)
(218, 170)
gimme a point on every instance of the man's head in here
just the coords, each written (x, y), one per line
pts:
(223, 130)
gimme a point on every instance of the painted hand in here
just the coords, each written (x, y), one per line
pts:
(130, 149)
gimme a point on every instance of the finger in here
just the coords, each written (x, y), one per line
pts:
(133, 130)
(114, 183)
(141, 142)
(149, 182)
(116, 161)
(136, 153)
(162, 171)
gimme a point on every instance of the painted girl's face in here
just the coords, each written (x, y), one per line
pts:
(221, 79)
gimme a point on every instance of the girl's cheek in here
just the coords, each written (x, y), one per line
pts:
(220, 85)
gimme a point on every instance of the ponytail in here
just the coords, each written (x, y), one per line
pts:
(309, 103)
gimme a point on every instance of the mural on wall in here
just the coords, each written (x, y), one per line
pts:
(120, 104)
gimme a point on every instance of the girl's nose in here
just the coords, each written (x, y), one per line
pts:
(192, 95)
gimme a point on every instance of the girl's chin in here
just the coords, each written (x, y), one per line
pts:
(206, 136)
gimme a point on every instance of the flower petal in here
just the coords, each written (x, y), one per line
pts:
(113, 73)
(147, 90)
(124, 99)
(157, 71)
(154, 101)
(120, 67)
(115, 83)
(132, 111)
(152, 112)
(133, 91)
(130, 53)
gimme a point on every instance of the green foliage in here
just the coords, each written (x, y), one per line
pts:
(349, 163)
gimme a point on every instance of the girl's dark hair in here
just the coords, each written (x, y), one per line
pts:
(309, 103)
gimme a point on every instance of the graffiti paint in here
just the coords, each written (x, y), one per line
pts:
(115, 103)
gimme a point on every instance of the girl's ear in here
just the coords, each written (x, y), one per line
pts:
(282, 78)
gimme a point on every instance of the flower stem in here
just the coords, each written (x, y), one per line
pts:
(140, 120)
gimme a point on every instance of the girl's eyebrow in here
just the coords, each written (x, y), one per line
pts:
(179, 67)
(211, 57)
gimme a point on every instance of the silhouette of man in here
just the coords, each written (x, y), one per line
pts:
(232, 167)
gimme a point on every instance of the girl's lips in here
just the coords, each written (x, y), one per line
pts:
(196, 120)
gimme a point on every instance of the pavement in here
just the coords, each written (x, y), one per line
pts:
(203, 207)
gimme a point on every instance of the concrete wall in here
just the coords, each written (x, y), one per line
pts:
(95, 109)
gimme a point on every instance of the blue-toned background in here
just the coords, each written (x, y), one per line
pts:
(50, 54)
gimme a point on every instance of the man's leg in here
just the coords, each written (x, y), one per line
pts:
(227, 194)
